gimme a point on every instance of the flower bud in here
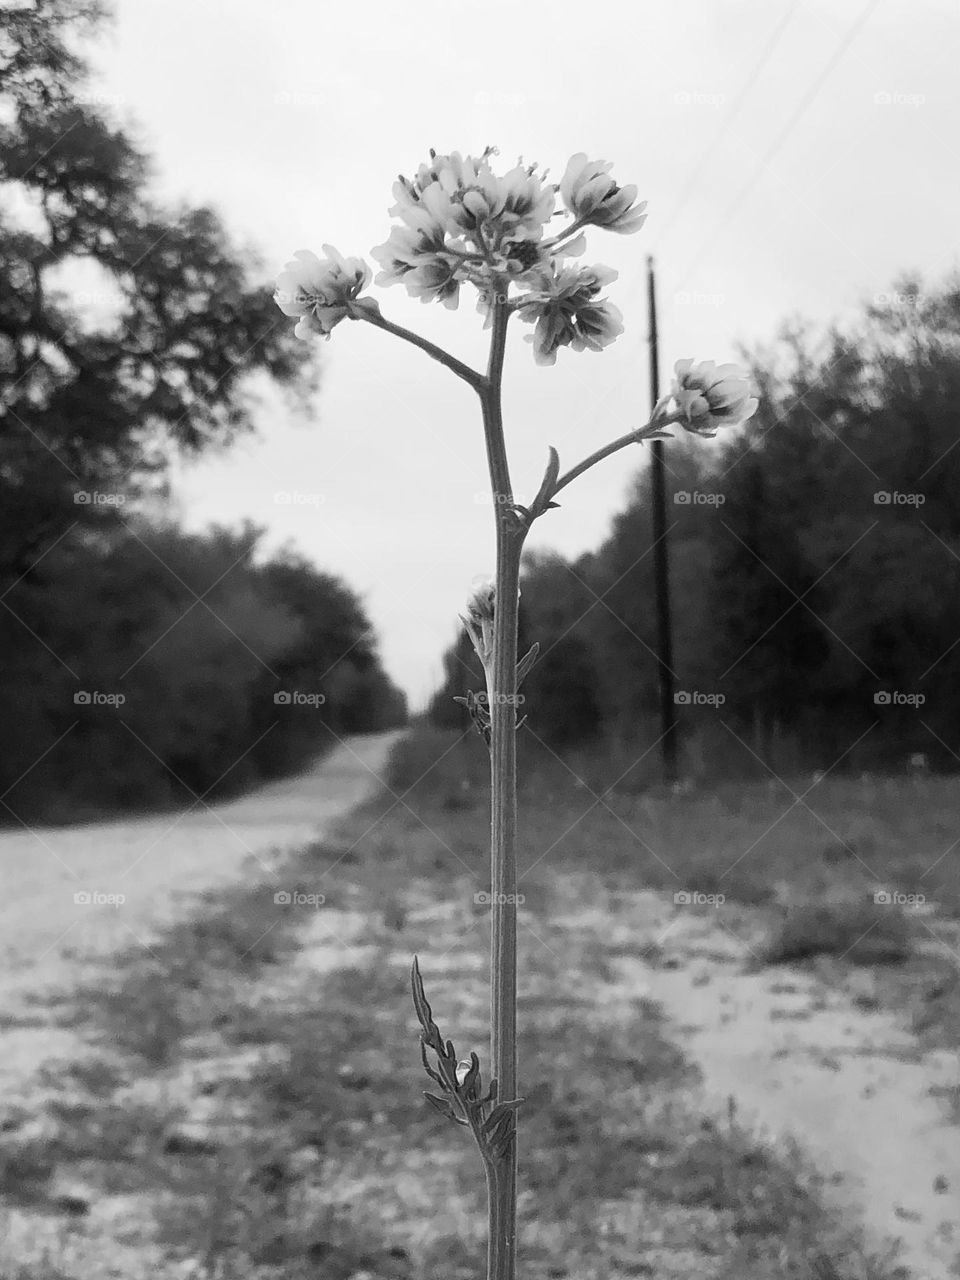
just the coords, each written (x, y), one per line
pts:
(709, 396)
(592, 196)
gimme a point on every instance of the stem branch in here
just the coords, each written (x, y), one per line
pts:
(374, 317)
(654, 426)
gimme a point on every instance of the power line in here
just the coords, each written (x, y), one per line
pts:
(728, 119)
(804, 104)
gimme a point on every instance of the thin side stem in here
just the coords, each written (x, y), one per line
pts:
(374, 317)
(632, 437)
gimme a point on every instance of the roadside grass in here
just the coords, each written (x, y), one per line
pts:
(256, 1107)
(858, 931)
(751, 841)
(804, 858)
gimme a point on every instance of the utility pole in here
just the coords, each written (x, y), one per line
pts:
(661, 559)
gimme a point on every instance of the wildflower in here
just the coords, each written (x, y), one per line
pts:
(415, 255)
(320, 290)
(464, 223)
(568, 312)
(709, 396)
(502, 213)
(592, 196)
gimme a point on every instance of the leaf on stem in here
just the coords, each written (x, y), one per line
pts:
(444, 1106)
(542, 501)
(422, 1005)
(526, 662)
(426, 1065)
(498, 1113)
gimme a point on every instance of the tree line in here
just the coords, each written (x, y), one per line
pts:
(814, 569)
(139, 665)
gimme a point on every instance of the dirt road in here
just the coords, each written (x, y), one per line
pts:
(91, 889)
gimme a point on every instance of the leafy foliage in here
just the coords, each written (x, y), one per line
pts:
(196, 634)
(811, 562)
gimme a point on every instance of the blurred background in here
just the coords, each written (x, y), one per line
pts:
(222, 547)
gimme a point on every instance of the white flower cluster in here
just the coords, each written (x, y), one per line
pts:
(462, 223)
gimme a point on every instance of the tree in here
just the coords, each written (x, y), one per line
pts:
(91, 400)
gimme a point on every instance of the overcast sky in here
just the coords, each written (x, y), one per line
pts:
(795, 156)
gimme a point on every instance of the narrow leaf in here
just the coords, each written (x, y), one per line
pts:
(431, 1032)
(472, 1076)
(526, 662)
(427, 1068)
(497, 1114)
(441, 1105)
(549, 480)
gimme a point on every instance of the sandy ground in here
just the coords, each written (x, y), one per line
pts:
(154, 864)
(852, 1087)
(797, 1058)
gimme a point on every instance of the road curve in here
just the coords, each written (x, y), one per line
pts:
(152, 863)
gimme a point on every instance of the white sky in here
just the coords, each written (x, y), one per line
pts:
(294, 118)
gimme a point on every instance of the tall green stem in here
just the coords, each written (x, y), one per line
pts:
(502, 1181)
